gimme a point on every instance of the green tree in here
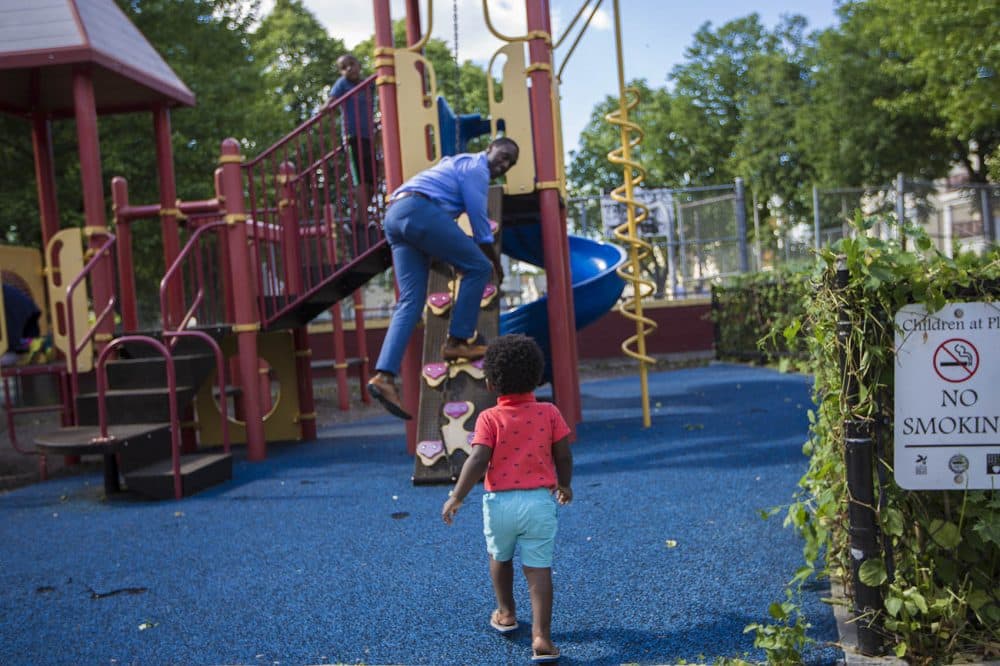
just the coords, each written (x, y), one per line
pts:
(768, 152)
(851, 136)
(661, 152)
(709, 94)
(949, 54)
(298, 61)
(464, 87)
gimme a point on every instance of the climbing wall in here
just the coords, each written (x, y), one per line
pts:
(451, 394)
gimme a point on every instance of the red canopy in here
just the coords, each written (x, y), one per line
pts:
(43, 41)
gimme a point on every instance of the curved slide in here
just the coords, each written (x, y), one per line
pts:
(596, 284)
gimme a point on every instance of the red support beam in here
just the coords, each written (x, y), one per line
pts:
(562, 322)
(394, 178)
(293, 282)
(244, 298)
(126, 272)
(168, 204)
(85, 107)
(45, 176)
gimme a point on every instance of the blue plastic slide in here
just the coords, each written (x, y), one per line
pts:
(596, 284)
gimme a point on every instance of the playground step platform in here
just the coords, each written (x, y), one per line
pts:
(198, 472)
(139, 405)
(187, 344)
(85, 440)
(149, 372)
(127, 447)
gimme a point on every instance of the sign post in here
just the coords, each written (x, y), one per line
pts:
(947, 397)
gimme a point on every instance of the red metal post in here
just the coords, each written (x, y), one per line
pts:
(126, 272)
(244, 297)
(562, 324)
(340, 358)
(85, 109)
(168, 209)
(394, 178)
(362, 342)
(293, 281)
(45, 176)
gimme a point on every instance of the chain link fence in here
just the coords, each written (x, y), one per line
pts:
(956, 217)
(698, 234)
(703, 235)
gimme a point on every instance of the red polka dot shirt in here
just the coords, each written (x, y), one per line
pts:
(521, 433)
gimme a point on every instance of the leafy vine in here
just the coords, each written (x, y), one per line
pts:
(940, 549)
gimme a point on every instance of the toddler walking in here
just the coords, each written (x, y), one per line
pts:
(522, 446)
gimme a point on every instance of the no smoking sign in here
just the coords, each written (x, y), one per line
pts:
(946, 430)
(956, 360)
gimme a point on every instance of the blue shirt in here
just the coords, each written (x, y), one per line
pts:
(359, 103)
(22, 318)
(458, 184)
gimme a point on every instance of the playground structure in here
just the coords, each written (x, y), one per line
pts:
(282, 241)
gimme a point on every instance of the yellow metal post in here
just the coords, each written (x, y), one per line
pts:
(631, 307)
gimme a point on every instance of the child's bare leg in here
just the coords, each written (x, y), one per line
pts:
(502, 574)
(540, 588)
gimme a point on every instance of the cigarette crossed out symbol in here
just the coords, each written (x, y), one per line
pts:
(956, 360)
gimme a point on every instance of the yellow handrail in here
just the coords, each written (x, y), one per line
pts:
(427, 35)
(534, 34)
(627, 233)
(578, 37)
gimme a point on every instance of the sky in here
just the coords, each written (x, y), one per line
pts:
(655, 34)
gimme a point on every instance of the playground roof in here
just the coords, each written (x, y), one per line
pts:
(42, 41)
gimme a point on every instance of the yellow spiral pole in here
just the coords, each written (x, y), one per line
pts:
(627, 233)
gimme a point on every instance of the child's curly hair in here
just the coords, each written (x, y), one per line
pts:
(514, 364)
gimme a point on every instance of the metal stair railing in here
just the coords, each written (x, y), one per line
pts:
(102, 408)
(173, 335)
(309, 216)
(105, 251)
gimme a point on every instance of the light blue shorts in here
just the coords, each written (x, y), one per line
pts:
(521, 517)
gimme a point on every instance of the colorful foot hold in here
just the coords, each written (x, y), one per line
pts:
(489, 293)
(474, 369)
(456, 437)
(430, 451)
(435, 373)
(439, 303)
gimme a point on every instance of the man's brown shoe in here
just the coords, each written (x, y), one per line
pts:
(462, 350)
(384, 390)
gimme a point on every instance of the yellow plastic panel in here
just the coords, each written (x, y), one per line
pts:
(64, 259)
(281, 422)
(418, 116)
(515, 110)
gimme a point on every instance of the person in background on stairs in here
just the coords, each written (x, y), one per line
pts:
(357, 129)
(420, 226)
(522, 446)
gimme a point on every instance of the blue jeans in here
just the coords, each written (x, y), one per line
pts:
(417, 231)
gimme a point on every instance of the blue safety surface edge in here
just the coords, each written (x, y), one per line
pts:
(326, 553)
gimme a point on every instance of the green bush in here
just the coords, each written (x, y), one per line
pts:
(751, 313)
(941, 549)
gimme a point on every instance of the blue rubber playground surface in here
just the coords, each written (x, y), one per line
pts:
(326, 553)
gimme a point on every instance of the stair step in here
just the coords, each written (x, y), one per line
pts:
(82, 440)
(183, 345)
(139, 405)
(198, 472)
(150, 371)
